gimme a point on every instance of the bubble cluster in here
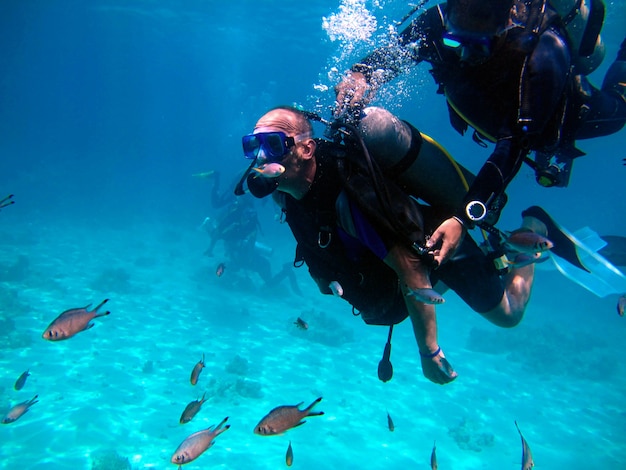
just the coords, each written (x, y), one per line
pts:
(353, 22)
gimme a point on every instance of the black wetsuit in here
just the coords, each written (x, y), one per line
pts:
(334, 252)
(544, 108)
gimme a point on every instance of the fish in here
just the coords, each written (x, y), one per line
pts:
(220, 269)
(336, 288)
(527, 456)
(433, 457)
(526, 241)
(21, 380)
(73, 321)
(195, 444)
(289, 456)
(282, 418)
(205, 174)
(426, 295)
(7, 201)
(621, 305)
(270, 170)
(195, 373)
(192, 409)
(300, 323)
(390, 424)
(18, 410)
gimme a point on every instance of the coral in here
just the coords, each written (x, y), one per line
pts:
(549, 350)
(233, 388)
(248, 388)
(322, 329)
(148, 367)
(109, 460)
(238, 366)
(468, 436)
(16, 272)
(10, 337)
(112, 280)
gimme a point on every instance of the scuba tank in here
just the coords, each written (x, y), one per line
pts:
(582, 21)
(419, 164)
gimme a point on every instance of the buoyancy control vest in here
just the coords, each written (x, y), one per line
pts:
(400, 165)
(368, 284)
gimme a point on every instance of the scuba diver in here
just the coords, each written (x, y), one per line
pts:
(362, 236)
(515, 71)
(238, 228)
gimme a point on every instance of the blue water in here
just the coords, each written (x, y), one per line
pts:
(107, 109)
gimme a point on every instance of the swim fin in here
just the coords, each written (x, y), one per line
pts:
(564, 244)
(615, 249)
(602, 277)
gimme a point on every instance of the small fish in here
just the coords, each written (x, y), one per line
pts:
(300, 323)
(21, 380)
(72, 321)
(527, 456)
(390, 424)
(336, 288)
(7, 201)
(282, 418)
(206, 174)
(18, 410)
(526, 241)
(289, 456)
(270, 170)
(192, 409)
(195, 373)
(621, 305)
(220, 269)
(193, 446)
(427, 296)
(433, 457)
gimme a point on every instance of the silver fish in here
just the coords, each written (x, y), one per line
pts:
(18, 410)
(527, 456)
(193, 446)
(426, 295)
(195, 373)
(72, 321)
(192, 409)
(621, 305)
(433, 457)
(282, 418)
(289, 456)
(526, 241)
(21, 380)
(390, 424)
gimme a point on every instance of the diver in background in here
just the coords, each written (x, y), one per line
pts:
(514, 71)
(238, 228)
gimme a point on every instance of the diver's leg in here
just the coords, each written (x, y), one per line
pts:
(607, 107)
(518, 284)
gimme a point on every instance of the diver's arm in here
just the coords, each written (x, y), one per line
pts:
(385, 63)
(413, 275)
(541, 91)
(490, 183)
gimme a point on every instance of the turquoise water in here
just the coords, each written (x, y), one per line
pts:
(107, 109)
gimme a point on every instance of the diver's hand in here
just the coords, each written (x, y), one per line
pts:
(352, 92)
(437, 369)
(449, 236)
